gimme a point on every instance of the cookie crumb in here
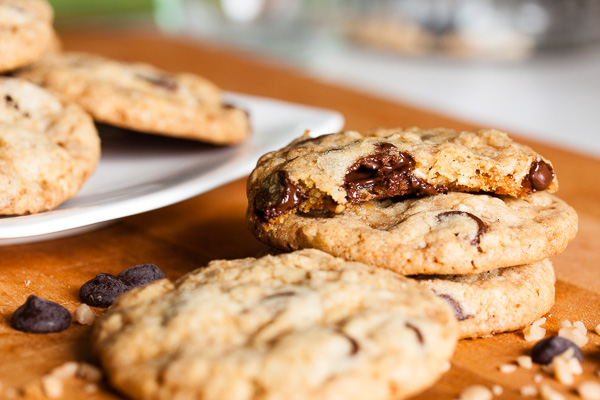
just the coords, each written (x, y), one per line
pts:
(528, 390)
(507, 368)
(89, 373)
(525, 362)
(52, 386)
(27, 282)
(597, 329)
(564, 366)
(589, 390)
(476, 392)
(84, 315)
(565, 323)
(497, 390)
(574, 334)
(537, 378)
(534, 331)
(581, 326)
(547, 393)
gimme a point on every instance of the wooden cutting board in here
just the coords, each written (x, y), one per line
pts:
(187, 235)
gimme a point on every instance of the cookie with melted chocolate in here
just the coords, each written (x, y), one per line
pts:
(342, 170)
(453, 233)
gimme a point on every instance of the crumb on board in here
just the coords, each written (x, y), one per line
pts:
(476, 392)
(534, 331)
(547, 393)
(84, 315)
(525, 362)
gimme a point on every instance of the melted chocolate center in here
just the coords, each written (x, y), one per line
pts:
(481, 226)
(540, 175)
(278, 198)
(384, 175)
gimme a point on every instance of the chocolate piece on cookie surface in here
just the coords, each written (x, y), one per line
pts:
(341, 170)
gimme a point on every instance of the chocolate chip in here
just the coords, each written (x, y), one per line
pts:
(40, 316)
(417, 332)
(355, 347)
(481, 226)
(545, 350)
(458, 311)
(277, 196)
(540, 175)
(11, 102)
(385, 175)
(141, 275)
(163, 81)
(281, 294)
(102, 291)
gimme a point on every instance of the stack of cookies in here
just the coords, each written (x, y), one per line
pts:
(49, 144)
(468, 215)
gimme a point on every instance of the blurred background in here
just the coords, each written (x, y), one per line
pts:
(531, 67)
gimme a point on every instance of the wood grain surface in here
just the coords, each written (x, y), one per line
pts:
(187, 235)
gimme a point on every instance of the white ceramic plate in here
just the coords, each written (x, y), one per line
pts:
(138, 172)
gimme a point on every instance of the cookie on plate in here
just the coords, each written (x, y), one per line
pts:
(26, 32)
(337, 171)
(453, 233)
(301, 325)
(141, 97)
(501, 300)
(47, 148)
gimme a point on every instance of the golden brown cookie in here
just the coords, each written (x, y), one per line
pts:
(301, 325)
(47, 149)
(141, 97)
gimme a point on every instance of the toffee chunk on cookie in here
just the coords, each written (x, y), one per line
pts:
(301, 325)
(26, 32)
(141, 97)
(341, 170)
(47, 149)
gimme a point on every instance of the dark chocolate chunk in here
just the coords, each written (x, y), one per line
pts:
(281, 294)
(545, 350)
(417, 332)
(277, 196)
(540, 175)
(458, 311)
(481, 226)
(162, 81)
(385, 175)
(355, 347)
(40, 316)
(102, 291)
(141, 275)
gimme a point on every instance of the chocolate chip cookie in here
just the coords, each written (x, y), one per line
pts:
(301, 325)
(342, 170)
(141, 97)
(26, 32)
(496, 301)
(453, 233)
(47, 149)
